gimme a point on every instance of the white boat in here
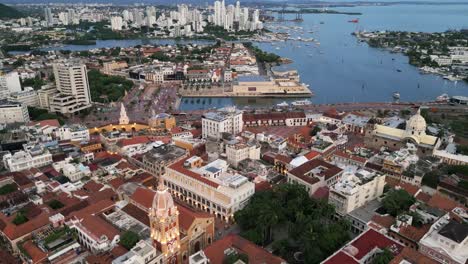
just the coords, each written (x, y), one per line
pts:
(301, 102)
(396, 95)
(283, 104)
(443, 98)
(451, 78)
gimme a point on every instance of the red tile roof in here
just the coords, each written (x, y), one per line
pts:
(116, 183)
(13, 231)
(341, 258)
(99, 227)
(179, 167)
(423, 197)
(329, 171)
(187, 216)
(283, 158)
(47, 122)
(92, 186)
(414, 233)
(143, 196)
(37, 255)
(443, 203)
(312, 155)
(412, 256)
(133, 141)
(371, 239)
(252, 117)
(383, 221)
(256, 254)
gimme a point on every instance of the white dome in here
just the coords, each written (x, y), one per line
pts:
(162, 202)
(416, 124)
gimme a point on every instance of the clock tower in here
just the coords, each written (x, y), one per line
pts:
(164, 222)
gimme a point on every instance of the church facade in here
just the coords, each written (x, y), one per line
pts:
(377, 136)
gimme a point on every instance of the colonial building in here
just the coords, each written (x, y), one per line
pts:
(355, 189)
(296, 118)
(211, 188)
(394, 138)
(446, 241)
(314, 174)
(228, 120)
(189, 231)
(164, 223)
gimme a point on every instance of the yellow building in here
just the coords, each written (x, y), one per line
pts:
(162, 121)
(394, 138)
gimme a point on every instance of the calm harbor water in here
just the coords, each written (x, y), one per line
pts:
(341, 69)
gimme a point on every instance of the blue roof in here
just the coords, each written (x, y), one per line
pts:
(253, 78)
(212, 169)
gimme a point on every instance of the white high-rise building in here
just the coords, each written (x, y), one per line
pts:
(48, 16)
(9, 83)
(237, 12)
(73, 87)
(116, 23)
(126, 15)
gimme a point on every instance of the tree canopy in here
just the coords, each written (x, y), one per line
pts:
(112, 87)
(396, 202)
(308, 223)
(129, 239)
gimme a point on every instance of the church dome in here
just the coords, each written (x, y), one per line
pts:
(162, 202)
(416, 124)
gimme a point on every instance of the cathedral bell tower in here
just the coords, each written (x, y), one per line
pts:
(164, 222)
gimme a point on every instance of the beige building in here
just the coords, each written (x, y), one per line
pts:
(73, 87)
(210, 188)
(356, 189)
(263, 85)
(238, 151)
(27, 97)
(13, 112)
(45, 95)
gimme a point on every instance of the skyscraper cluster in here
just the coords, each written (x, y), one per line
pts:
(234, 18)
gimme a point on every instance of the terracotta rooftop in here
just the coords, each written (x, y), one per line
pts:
(441, 202)
(383, 221)
(414, 233)
(341, 258)
(133, 141)
(99, 227)
(179, 167)
(372, 239)
(92, 186)
(412, 256)
(47, 122)
(36, 254)
(283, 158)
(256, 254)
(329, 170)
(362, 245)
(252, 117)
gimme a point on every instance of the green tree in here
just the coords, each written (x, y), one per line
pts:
(314, 131)
(129, 239)
(55, 204)
(396, 202)
(20, 218)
